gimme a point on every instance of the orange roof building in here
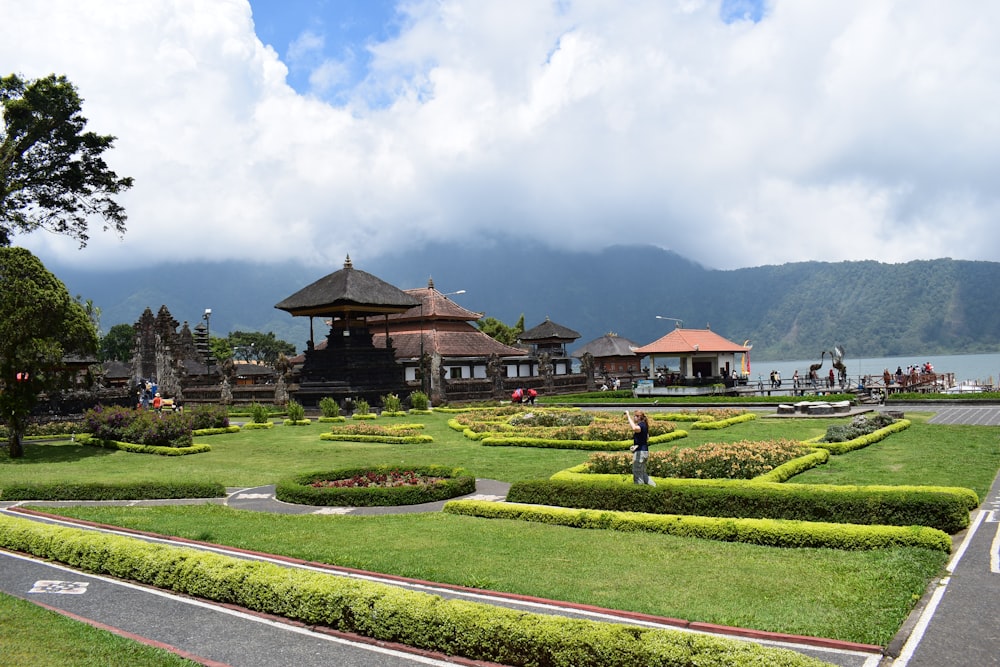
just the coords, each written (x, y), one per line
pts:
(702, 353)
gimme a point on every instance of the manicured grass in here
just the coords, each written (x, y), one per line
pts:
(24, 627)
(861, 596)
(856, 596)
(943, 455)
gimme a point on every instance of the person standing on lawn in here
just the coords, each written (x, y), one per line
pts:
(640, 447)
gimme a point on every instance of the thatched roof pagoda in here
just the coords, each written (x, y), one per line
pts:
(348, 365)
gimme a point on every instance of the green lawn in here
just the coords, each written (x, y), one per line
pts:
(860, 597)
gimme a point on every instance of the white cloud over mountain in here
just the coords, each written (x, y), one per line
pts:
(862, 129)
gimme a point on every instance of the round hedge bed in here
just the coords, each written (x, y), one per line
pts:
(371, 487)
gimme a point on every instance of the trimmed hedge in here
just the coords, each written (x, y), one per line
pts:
(764, 532)
(85, 439)
(943, 508)
(298, 489)
(389, 439)
(216, 430)
(122, 491)
(864, 440)
(258, 425)
(723, 423)
(792, 468)
(494, 440)
(388, 613)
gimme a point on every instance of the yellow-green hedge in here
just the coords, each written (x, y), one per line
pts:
(864, 440)
(455, 627)
(944, 508)
(766, 532)
(723, 423)
(134, 448)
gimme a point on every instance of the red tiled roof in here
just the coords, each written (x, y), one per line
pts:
(689, 341)
(435, 306)
(449, 339)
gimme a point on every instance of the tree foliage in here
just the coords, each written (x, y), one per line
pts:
(52, 173)
(494, 328)
(118, 343)
(254, 346)
(40, 325)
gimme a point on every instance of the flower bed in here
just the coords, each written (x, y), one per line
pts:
(556, 428)
(367, 432)
(724, 460)
(379, 486)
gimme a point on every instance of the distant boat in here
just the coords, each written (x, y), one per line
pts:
(966, 388)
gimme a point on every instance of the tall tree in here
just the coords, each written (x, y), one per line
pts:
(40, 323)
(260, 347)
(118, 343)
(52, 173)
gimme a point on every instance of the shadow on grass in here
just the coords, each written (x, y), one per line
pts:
(51, 451)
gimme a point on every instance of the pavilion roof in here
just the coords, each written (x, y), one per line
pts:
(433, 305)
(548, 330)
(348, 291)
(689, 341)
(608, 345)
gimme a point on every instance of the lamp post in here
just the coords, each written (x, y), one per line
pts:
(208, 338)
(673, 319)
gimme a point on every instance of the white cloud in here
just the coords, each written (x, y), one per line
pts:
(828, 130)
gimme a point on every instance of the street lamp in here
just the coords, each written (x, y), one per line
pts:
(673, 319)
(461, 291)
(208, 338)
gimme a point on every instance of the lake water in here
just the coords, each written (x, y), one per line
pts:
(973, 368)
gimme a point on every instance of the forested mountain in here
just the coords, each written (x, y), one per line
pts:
(791, 311)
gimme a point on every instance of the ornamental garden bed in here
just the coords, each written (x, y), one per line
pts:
(375, 487)
(556, 429)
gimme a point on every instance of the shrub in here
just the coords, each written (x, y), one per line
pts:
(117, 491)
(860, 425)
(386, 613)
(769, 532)
(328, 407)
(376, 486)
(361, 406)
(209, 416)
(943, 508)
(139, 426)
(419, 400)
(296, 412)
(391, 403)
(259, 414)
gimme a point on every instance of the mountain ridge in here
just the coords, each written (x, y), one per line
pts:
(788, 311)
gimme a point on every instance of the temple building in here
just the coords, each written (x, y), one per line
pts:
(348, 365)
(613, 356)
(439, 331)
(547, 343)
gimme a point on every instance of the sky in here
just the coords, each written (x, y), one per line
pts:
(737, 133)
